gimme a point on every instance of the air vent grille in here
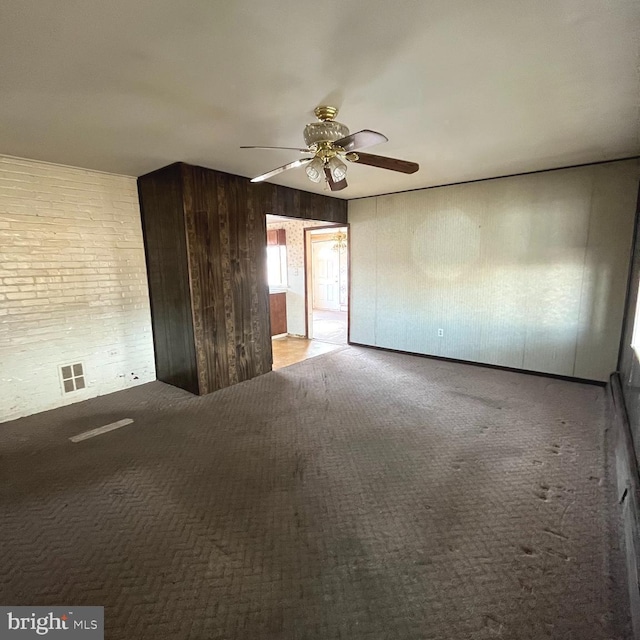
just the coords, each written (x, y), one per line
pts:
(72, 377)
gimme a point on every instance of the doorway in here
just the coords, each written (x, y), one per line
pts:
(327, 268)
(287, 255)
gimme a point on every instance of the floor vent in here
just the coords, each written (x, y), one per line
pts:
(72, 377)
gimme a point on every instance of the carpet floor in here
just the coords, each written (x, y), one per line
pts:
(358, 494)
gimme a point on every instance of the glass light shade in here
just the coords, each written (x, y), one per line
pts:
(328, 131)
(338, 169)
(315, 170)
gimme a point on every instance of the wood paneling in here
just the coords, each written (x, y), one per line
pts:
(283, 201)
(278, 313)
(166, 248)
(205, 237)
(525, 272)
(628, 360)
(608, 248)
(226, 235)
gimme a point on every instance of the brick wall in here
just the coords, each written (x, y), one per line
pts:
(73, 285)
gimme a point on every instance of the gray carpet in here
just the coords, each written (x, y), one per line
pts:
(359, 494)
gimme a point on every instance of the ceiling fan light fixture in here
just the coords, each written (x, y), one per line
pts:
(338, 169)
(315, 170)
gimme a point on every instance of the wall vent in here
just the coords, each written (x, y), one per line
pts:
(72, 377)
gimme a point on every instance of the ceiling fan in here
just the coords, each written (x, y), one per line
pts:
(329, 142)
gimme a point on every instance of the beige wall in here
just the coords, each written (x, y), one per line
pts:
(73, 285)
(527, 272)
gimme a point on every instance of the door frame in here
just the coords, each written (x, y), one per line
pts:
(308, 274)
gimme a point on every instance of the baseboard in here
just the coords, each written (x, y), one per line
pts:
(628, 492)
(555, 376)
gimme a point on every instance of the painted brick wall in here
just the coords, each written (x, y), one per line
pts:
(73, 285)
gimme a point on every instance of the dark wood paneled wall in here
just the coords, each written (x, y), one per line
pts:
(226, 232)
(164, 232)
(205, 237)
(283, 201)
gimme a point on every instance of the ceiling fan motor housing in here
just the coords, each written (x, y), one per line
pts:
(327, 130)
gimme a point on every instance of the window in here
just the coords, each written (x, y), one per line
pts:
(635, 336)
(277, 257)
(277, 265)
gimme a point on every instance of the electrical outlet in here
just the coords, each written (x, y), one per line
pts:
(440, 333)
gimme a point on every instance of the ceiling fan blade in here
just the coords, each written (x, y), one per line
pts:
(361, 140)
(285, 148)
(284, 167)
(334, 186)
(403, 166)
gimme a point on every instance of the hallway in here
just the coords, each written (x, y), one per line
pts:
(330, 326)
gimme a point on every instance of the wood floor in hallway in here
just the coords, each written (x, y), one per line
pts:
(288, 350)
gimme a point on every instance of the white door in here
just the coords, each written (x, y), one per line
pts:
(326, 268)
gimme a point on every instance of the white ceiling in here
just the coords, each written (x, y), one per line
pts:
(468, 89)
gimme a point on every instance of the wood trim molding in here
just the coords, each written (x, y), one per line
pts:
(555, 376)
(628, 492)
(508, 175)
